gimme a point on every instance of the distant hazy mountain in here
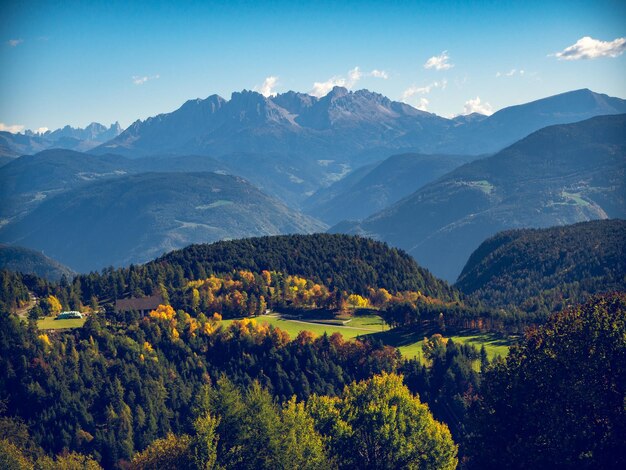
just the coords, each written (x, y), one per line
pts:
(343, 125)
(28, 181)
(543, 270)
(14, 145)
(27, 261)
(134, 218)
(558, 175)
(511, 124)
(379, 186)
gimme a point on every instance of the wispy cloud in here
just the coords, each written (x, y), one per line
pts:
(589, 48)
(421, 103)
(15, 42)
(379, 74)
(353, 76)
(140, 80)
(477, 106)
(13, 129)
(267, 88)
(511, 73)
(439, 62)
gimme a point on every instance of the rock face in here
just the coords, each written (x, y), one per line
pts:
(559, 175)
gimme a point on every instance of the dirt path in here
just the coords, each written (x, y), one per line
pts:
(22, 312)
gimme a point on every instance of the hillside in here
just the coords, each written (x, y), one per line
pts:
(556, 176)
(27, 261)
(29, 180)
(547, 269)
(341, 261)
(375, 188)
(134, 218)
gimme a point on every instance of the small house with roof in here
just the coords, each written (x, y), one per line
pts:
(143, 305)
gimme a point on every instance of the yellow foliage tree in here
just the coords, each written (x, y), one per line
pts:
(164, 312)
(45, 340)
(55, 305)
(357, 301)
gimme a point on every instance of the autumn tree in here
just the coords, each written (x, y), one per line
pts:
(378, 424)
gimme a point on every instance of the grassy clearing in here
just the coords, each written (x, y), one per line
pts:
(575, 198)
(49, 323)
(360, 325)
(408, 341)
(483, 185)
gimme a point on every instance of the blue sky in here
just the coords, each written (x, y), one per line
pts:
(66, 62)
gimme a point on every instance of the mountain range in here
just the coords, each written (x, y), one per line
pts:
(15, 145)
(297, 143)
(558, 175)
(30, 180)
(346, 125)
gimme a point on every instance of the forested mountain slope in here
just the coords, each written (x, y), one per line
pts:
(338, 261)
(27, 261)
(547, 269)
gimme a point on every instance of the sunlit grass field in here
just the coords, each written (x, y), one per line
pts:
(408, 341)
(49, 323)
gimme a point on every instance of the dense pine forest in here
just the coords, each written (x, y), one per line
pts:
(539, 271)
(171, 388)
(182, 387)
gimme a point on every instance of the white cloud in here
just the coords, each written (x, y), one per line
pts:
(323, 88)
(354, 75)
(137, 80)
(422, 90)
(476, 106)
(379, 74)
(510, 73)
(15, 42)
(13, 129)
(589, 48)
(422, 104)
(267, 88)
(439, 62)
(41, 130)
